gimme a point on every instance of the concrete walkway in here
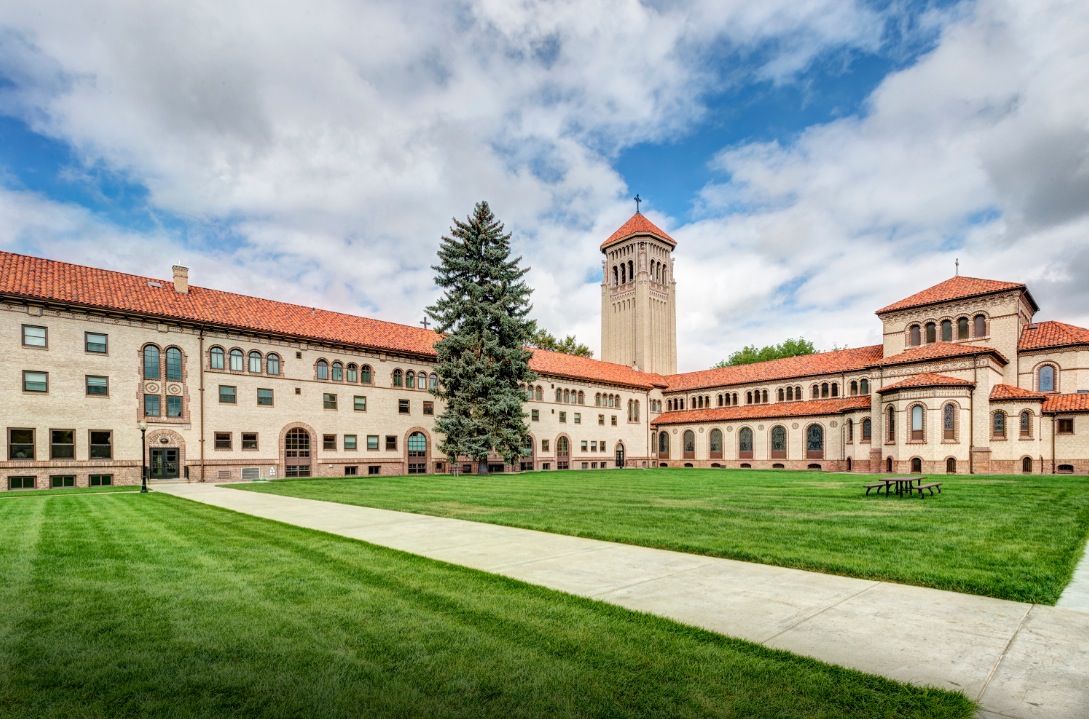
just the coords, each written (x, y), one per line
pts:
(1018, 660)
(1076, 594)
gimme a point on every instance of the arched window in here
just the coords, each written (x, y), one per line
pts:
(539, 394)
(867, 429)
(716, 444)
(417, 445)
(255, 362)
(719, 399)
(949, 422)
(764, 396)
(854, 387)
(597, 399)
(835, 389)
(980, 329)
(173, 364)
(744, 443)
(689, 444)
(663, 445)
(582, 397)
(815, 392)
(1026, 465)
(567, 396)
(782, 394)
(398, 378)
(338, 371)
(421, 380)
(947, 331)
(748, 397)
(1026, 423)
(365, 374)
(410, 379)
(951, 465)
(616, 276)
(914, 337)
(917, 423)
(215, 357)
(778, 442)
(916, 465)
(559, 395)
(351, 372)
(323, 372)
(790, 394)
(962, 328)
(998, 425)
(563, 447)
(864, 386)
(824, 389)
(814, 442)
(237, 360)
(850, 426)
(890, 424)
(1046, 381)
(297, 443)
(272, 364)
(151, 362)
(636, 410)
(931, 332)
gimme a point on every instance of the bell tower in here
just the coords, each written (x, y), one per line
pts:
(638, 298)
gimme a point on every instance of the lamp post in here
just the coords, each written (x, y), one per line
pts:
(143, 455)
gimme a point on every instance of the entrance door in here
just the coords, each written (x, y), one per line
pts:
(620, 456)
(164, 463)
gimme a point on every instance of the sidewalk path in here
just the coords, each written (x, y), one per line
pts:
(1017, 660)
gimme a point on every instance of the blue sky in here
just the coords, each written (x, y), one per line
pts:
(814, 159)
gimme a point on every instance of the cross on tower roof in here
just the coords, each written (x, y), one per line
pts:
(637, 199)
(425, 323)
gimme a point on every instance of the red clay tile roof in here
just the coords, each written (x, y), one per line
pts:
(779, 410)
(955, 288)
(637, 225)
(1052, 334)
(49, 280)
(927, 379)
(1057, 403)
(1002, 392)
(834, 362)
(939, 350)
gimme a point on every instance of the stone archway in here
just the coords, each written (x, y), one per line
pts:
(166, 455)
(298, 450)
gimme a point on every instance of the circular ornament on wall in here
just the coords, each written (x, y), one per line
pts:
(173, 389)
(833, 423)
(151, 388)
(794, 426)
(729, 429)
(701, 430)
(674, 430)
(760, 427)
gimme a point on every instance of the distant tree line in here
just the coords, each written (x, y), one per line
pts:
(750, 354)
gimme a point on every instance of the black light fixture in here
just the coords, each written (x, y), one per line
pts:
(142, 424)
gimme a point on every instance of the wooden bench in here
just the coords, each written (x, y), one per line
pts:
(883, 483)
(931, 487)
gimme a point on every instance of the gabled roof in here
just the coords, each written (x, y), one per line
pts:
(927, 379)
(1045, 335)
(1008, 392)
(1057, 403)
(939, 350)
(955, 288)
(637, 225)
(820, 363)
(780, 410)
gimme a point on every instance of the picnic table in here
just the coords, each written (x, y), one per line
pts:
(904, 485)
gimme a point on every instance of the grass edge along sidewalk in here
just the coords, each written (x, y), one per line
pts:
(1009, 537)
(148, 605)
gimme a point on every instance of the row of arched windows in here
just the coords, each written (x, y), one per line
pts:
(999, 423)
(237, 361)
(633, 410)
(729, 399)
(929, 332)
(658, 271)
(606, 400)
(337, 371)
(411, 379)
(158, 363)
(861, 386)
(777, 443)
(533, 392)
(570, 396)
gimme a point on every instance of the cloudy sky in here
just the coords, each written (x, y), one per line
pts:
(814, 159)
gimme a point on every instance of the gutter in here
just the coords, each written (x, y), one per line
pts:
(972, 419)
(200, 363)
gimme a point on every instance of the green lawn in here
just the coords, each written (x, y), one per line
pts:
(67, 490)
(1012, 537)
(130, 605)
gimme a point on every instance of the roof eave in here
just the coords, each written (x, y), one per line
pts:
(1022, 288)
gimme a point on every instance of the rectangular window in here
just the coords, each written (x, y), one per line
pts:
(584, 446)
(173, 406)
(586, 465)
(297, 470)
(1066, 426)
(100, 480)
(59, 481)
(329, 442)
(374, 469)
(97, 385)
(264, 397)
(101, 444)
(535, 415)
(601, 420)
(95, 342)
(20, 444)
(35, 381)
(402, 406)
(228, 394)
(544, 445)
(593, 446)
(249, 440)
(391, 442)
(62, 444)
(429, 408)
(328, 401)
(223, 440)
(20, 482)
(35, 336)
(151, 405)
(417, 468)
(350, 442)
(614, 420)
(578, 418)
(360, 403)
(372, 442)
(563, 417)
(351, 471)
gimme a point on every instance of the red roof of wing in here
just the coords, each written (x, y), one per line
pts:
(1066, 403)
(564, 365)
(833, 362)
(1008, 392)
(955, 288)
(637, 225)
(927, 379)
(1052, 334)
(939, 350)
(811, 408)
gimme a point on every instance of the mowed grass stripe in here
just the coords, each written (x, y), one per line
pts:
(1011, 537)
(147, 605)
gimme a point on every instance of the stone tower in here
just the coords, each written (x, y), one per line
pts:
(639, 298)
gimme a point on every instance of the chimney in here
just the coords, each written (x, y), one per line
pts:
(181, 279)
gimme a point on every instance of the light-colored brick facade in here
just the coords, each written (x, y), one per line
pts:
(227, 397)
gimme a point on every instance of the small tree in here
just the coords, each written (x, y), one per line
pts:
(543, 339)
(752, 353)
(482, 359)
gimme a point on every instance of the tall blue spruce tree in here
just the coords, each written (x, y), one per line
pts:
(482, 359)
